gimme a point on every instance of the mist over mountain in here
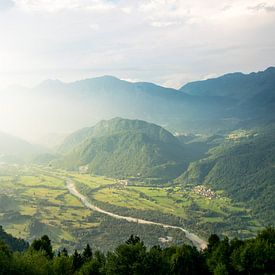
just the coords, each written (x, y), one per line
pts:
(205, 106)
(11, 147)
(252, 96)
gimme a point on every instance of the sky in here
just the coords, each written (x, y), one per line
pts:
(168, 42)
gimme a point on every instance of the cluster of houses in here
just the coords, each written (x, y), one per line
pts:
(83, 169)
(205, 192)
(240, 134)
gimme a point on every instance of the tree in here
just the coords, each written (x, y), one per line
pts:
(127, 258)
(31, 262)
(220, 269)
(62, 264)
(92, 267)
(267, 234)
(256, 256)
(77, 260)
(43, 244)
(213, 241)
(63, 252)
(187, 260)
(155, 262)
(87, 253)
(220, 254)
(133, 240)
(5, 258)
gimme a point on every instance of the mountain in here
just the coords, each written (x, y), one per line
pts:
(243, 166)
(233, 85)
(57, 107)
(124, 148)
(208, 106)
(14, 147)
(251, 95)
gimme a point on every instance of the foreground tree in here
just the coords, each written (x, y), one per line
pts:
(43, 244)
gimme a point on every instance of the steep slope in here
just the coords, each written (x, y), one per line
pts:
(244, 167)
(14, 244)
(122, 147)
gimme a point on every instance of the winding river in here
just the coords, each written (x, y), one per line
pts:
(196, 240)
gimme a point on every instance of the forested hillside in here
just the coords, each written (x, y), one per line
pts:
(121, 147)
(13, 243)
(242, 166)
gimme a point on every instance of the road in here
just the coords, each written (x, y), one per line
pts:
(197, 241)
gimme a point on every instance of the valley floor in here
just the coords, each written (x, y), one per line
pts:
(98, 210)
(197, 241)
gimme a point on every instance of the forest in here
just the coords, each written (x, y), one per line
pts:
(222, 256)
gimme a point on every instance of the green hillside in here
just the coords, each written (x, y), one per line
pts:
(125, 148)
(244, 167)
(13, 243)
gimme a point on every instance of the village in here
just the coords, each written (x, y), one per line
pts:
(205, 192)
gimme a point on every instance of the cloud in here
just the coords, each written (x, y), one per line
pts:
(63, 5)
(94, 27)
(263, 7)
(163, 41)
(161, 24)
(6, 5)
(163, 13)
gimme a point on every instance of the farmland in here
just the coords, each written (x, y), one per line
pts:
(34, 200)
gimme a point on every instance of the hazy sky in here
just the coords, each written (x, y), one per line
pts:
(168, 42)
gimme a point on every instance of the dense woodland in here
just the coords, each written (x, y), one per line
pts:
(222, 256)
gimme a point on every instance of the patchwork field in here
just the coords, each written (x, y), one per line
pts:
(34, 201)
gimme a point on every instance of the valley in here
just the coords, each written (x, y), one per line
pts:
(35, 200)
(137, 137)
(167, 183)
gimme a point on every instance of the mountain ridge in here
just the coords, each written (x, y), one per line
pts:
(123, 147)
(209, 106)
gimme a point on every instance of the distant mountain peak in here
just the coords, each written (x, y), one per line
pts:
(270, 70)
(50, 83)
(236, 85)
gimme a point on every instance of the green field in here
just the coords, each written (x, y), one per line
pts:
(34, 201)
(196, 211)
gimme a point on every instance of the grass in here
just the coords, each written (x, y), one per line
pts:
(40, 194)
(45, 198)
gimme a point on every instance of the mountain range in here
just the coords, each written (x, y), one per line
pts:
(208, 106)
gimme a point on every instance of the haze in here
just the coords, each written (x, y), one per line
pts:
(164, 42)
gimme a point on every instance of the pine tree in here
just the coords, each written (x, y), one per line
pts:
(87, 253)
